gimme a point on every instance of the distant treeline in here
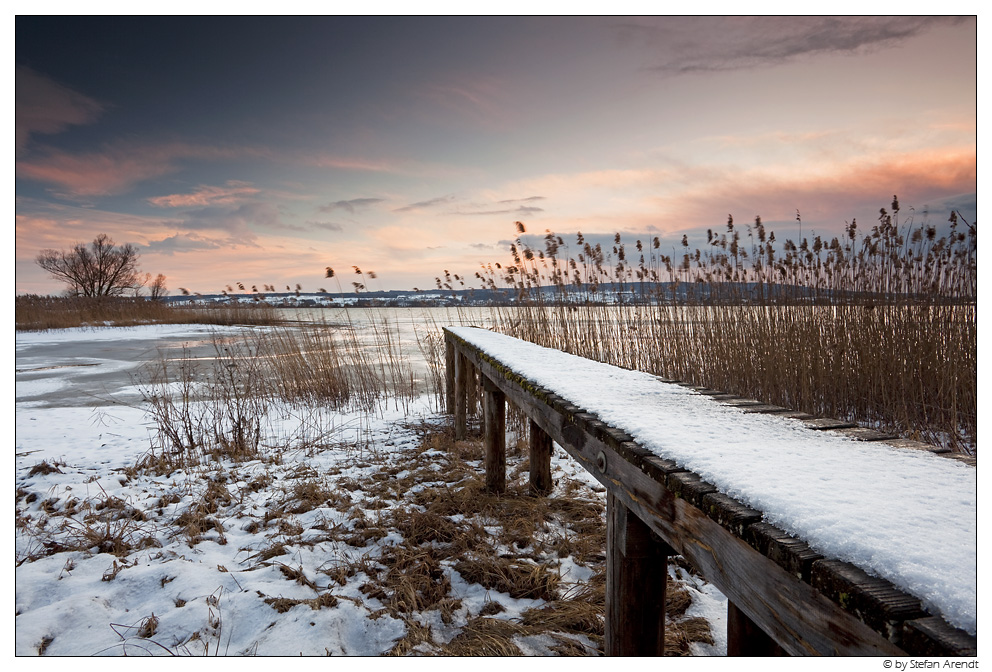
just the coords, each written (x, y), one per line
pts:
(612, 293)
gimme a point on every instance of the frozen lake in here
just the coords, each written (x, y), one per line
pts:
(95, 367)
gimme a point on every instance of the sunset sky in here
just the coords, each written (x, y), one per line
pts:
(261, 150)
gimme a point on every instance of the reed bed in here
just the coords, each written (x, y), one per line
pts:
(220, 405)
(36, 313)
(879, 328)
(341, 366)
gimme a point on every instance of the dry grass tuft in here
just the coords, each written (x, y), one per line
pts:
(516, 577)
(579, 611)
(687, 631)
(419, 638)
(415, 580)
(677, 599)
(43, 645)
(198, 519)
(284, 604)
(43, 468)
(486, 637)
(148, 627)
(425, 527)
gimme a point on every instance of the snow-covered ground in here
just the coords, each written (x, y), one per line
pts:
(908, 516)
(230, 557)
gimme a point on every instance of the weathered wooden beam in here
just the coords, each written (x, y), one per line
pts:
(494, 438)
(461, 383)
(540, 460)
(636, 578)
(449, 376)
(744, 638)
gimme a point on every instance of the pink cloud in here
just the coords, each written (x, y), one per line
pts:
(42, 105)
(93, 174)
(833, 191)
(348, 163)
(42, 225)
(115, 169)
(231, 192)
(201, 260)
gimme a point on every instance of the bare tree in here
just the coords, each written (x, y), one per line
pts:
(157, 288)
(101, 269)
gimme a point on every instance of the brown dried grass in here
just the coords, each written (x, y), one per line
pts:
(35, 313)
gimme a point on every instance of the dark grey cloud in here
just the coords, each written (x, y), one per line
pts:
(966, 205)
(529, 199)
(235, 220)
(288, 227)
(715, 44)
(180, 242)
(521, 210)
(326, 226)
(352, 205)
(421, 205)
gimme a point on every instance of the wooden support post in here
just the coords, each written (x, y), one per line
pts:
(472, 389)
(540, 460)
(449, 377)
(461, 383)
(494, 414)
(636, 578)
(744, 638)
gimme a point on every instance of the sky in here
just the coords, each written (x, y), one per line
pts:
(263, 150)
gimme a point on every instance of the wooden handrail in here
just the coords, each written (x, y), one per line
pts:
(784, 597)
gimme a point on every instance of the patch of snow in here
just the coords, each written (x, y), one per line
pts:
(709, 603)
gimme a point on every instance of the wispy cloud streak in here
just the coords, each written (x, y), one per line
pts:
(351, 206)
(424, 205)
(522, 210)
(705, 44)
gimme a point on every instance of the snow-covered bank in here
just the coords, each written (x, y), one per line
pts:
(908, 516)
(293, 552)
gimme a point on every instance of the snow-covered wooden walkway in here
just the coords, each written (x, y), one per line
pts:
(825, 542)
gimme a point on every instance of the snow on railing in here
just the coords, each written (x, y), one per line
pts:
(840, 541)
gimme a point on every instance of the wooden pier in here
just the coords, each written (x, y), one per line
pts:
(784, 598)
